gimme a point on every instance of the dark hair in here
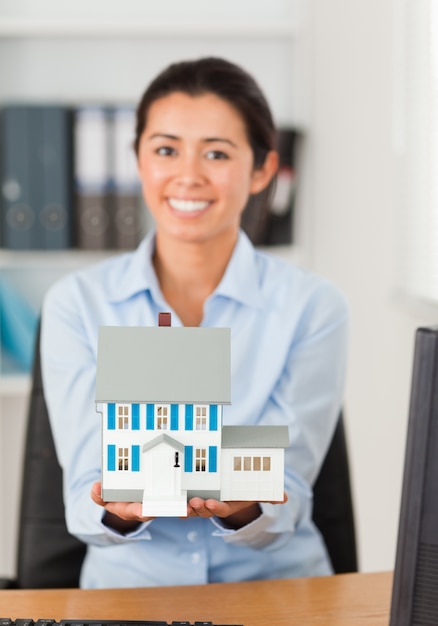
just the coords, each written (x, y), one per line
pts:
(233, 84)
(224, 79)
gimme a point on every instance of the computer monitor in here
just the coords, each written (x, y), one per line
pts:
(415, 586)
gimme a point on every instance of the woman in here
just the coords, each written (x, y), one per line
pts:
(204, 143)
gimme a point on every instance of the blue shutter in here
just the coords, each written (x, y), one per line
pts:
(150, 417)
(173, 417)
(135, 417)
(189, 417)
(135, 458)
(111, 416)
(111, 458)
(212, 458)
(188, 458)
(213, 417)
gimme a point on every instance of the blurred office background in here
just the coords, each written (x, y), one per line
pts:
(355, 79)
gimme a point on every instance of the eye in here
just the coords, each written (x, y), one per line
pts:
(216, 155)
(165, 151)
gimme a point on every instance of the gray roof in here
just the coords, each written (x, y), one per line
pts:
(163, 364)
(255, 436)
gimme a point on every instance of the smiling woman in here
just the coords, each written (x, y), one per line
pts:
(202, 166)
(204, 143)
(197, 170)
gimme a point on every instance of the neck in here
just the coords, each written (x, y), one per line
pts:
(189, 272)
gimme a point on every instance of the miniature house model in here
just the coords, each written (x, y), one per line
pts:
(161, 392)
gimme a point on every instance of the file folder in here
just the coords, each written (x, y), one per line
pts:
(269, 221)
(92, 178)
(282, 205)
(127, 208)
(36, 177)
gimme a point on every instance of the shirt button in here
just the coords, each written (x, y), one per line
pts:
(196, 557)
(192, 536)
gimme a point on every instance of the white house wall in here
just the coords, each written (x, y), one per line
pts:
(250, 484)
(126, 438)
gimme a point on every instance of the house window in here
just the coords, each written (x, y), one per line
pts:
(252, 463)
(123, 459)
(201, 418)
(162, 417)
(200, 459)
(123, 416)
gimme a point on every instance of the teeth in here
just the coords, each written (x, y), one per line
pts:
(188, 205)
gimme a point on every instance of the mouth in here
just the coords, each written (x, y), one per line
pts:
(188, 206)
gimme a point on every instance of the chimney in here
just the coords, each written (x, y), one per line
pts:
(164, 319)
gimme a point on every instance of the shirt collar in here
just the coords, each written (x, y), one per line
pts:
(137, 274)
(240, 281)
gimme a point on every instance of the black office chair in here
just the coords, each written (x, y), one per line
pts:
(333, 511)
(49, 557)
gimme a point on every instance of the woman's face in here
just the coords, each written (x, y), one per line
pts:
(196, 166)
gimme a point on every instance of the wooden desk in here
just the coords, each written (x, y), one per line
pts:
(343, 600)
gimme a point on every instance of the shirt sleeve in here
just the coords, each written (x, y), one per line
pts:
(68, 358)
(308, 398)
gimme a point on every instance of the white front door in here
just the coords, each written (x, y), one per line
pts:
(162, 471)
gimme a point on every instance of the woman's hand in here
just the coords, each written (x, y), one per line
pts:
(234, 514)
(126, 516)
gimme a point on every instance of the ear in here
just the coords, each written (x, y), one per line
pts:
(262, 176)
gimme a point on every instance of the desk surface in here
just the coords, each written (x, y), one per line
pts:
(343, 600)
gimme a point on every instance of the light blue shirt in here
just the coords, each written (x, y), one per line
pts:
(288, 356)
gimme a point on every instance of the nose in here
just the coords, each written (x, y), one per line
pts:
(190, 170)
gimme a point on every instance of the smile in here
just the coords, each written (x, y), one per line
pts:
(188, 206)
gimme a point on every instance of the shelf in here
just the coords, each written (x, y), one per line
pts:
(17, 27)
(75, 258)
(60, 259)
(14, 385)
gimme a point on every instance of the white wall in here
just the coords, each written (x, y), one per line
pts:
(352, 174)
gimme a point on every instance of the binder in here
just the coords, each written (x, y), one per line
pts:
(269, 221)
(127, 209)
(36, 177)
(282, 206)
(92, 178)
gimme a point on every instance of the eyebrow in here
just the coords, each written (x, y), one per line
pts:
(206, 140)
(162, 136)
(221, 140)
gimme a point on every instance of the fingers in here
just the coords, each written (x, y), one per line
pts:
(236, 513)
(214, 508)
(128, 511)
(196, 507)
(96, 491)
